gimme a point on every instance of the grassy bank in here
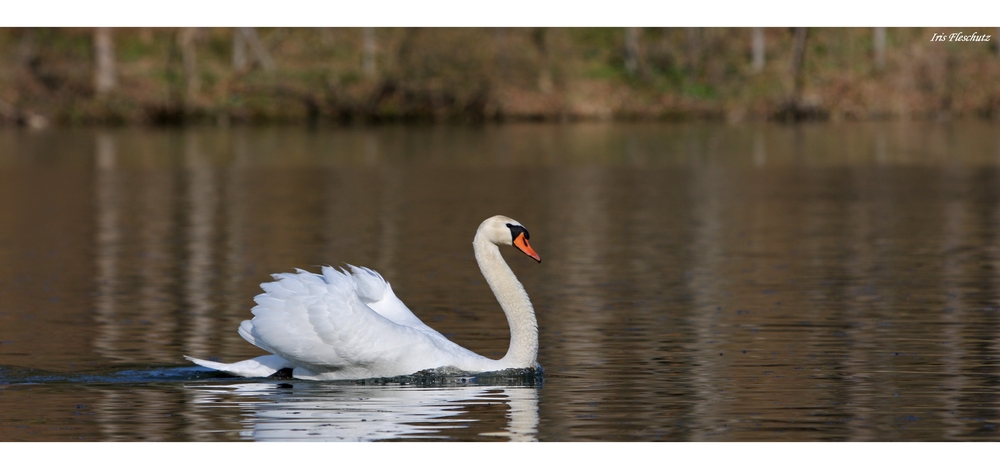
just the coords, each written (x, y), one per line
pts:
(224, 75)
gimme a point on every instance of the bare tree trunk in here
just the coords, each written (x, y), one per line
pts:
(186, 40)
(758, 49)
(261, 55)
(239, 50)
(104, 55)
(632, 50)
(26, 48)
(250, 39)
(878, 42)
(368, 55)
(798, 56)
(545, 83)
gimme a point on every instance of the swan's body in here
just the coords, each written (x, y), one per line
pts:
(350, 325)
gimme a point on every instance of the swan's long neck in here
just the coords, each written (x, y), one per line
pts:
(523, 351)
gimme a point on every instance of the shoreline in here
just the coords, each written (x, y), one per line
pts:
(235, 76)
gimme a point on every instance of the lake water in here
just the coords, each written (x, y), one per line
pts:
(701, 282)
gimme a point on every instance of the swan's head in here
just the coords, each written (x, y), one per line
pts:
(504, 230)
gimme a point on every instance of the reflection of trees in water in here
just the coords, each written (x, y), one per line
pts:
(820, 272)
(106, 182)
(955, 217)
(817, 280)
(580, 225)
(327, 412)
(199, 276)
(144, 227)
(145, 413)
(863, 221)
(709, 287)
(235, 190)
(970, 334)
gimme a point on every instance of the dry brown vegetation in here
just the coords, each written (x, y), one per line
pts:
(169, 75)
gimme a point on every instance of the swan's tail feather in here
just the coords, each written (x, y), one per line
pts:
(260, 367)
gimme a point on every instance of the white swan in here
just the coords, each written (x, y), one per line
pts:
(350, 325)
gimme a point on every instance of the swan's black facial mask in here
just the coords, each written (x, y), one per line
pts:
(520, 236)
(517, 229)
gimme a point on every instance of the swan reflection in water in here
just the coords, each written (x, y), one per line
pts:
(277, 411)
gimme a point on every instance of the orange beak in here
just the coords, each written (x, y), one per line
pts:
(522, 243)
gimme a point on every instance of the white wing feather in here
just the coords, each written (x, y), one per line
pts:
(344, 325)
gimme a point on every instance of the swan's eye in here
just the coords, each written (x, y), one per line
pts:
(516, 230)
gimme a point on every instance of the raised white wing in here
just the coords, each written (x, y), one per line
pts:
(324, 325)
(375, 292)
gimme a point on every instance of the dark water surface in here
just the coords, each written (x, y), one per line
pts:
(700, 282)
